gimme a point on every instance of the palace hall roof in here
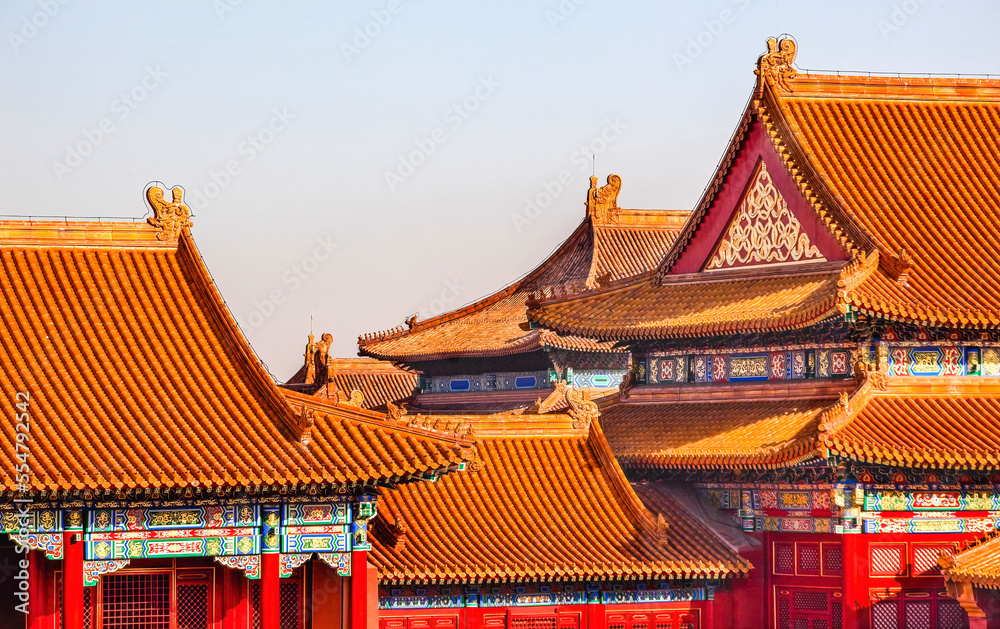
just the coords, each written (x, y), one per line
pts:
(978, 563)
(378, 381)
(139, 377)
(905, 421)
(545, 500)
(900, 170)
(610, 244)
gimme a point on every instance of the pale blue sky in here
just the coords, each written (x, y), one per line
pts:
(330, 121)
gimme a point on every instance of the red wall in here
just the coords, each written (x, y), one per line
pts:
(756, 145)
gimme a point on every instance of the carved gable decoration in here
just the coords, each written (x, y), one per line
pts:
(762, 231)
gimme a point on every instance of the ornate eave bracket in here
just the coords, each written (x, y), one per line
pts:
(250, 564)
(92, 570)
(170, 217)
(50, 543)
(341, 562)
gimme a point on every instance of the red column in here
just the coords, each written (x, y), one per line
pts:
(269, 578)
(361, 616)
(855, 565)
(707, 615)
(72, 579)
(36, 588)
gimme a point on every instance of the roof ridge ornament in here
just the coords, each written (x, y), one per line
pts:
(170, 217)
(602, 203)
(775, 65)
(317, 357)
(582, 409)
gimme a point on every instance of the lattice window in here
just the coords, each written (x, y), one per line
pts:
(886, 560)
(918, 615)
(809, 601)
(289, 606)
(925, 559)
(88, 607)
(820, 623)
(192, 606)
(837, 615)
(615, 625)
(833, 559)
(950, 615)
(808, 558)
(663, 624)
(784, 559)
(800, 623)
(885, 615)
(135, 601)
(784, 619)
(255, 604)
(534, 622)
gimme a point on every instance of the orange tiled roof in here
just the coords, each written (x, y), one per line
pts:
(696, 304)
(721, 426)
(597, 251)
(978, 563)
(548, 502)
(139, 377)
(379, 381)
(912, 164)
(925, 422)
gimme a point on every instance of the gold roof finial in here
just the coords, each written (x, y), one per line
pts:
(775, 65)
(171, 217)
(602, 203)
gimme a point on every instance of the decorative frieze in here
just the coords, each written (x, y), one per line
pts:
(515, 381)
(747, 365)
(543, 595)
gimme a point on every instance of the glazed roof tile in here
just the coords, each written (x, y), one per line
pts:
(139, 377)
(927, 422)
(912, 163)
(695, 305)
(545, 504)
(977, 563)
(718, 426)
(378, 381)
(631, 242)
(907, 421)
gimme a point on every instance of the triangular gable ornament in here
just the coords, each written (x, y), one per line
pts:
(762, 231)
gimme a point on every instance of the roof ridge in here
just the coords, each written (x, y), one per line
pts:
(343, 410)
(88, 234)
(635, 509)
(230, 331)
(414, 326)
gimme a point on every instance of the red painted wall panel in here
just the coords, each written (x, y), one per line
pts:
(756, 145)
